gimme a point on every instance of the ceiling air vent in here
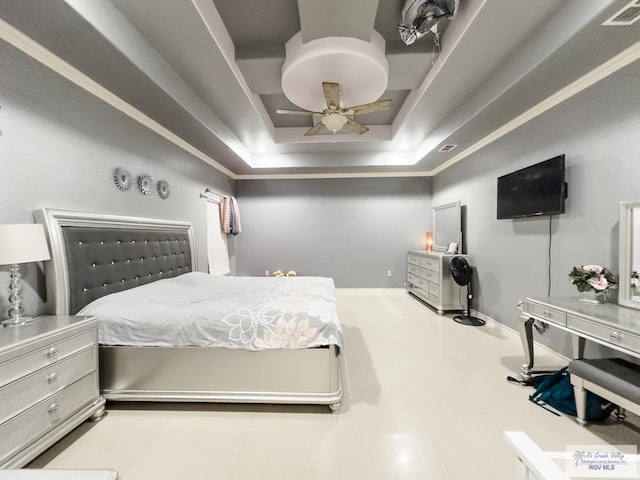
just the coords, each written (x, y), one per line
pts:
(447, 148)
(628, 15)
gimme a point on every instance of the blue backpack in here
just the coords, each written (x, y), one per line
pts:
(556, 391)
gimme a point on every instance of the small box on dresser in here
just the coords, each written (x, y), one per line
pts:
(48, 384)
(429, 278)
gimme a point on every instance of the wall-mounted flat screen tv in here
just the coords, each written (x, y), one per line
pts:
(536, 190)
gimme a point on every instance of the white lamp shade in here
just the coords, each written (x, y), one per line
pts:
(22, 244)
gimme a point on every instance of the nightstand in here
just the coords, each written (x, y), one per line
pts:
(48, 384)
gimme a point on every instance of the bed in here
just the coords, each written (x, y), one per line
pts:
(98, 257)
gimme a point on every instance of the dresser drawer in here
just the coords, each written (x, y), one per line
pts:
(430, 263)
(37, 359)
(547, 314)
(423, 273)
(414, 259)
(431, 276)
(418, 282)
(414, 269)
(603, 332)
(21, 430)
(434, 290)
(27, 391)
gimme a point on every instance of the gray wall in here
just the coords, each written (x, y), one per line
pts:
(58, 148)
(598, 131)
(353, 230)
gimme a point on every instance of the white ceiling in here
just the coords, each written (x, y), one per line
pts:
(207, 74)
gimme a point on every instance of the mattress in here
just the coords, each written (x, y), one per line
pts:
(201, 310)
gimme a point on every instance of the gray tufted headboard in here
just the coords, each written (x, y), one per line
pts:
(93, 255)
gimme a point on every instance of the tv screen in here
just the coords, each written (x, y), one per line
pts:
(536, 190)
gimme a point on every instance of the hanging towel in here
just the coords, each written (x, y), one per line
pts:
(225, 214)
(230, 216)
(217, 252)
(236, 227)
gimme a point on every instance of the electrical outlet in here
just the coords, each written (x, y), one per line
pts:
(388, 273)
(266, 273)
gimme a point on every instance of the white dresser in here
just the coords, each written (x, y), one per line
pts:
(429, 279)
(48, 384)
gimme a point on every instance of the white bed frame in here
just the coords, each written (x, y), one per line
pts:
(191, 374)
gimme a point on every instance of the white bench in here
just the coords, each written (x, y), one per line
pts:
(614, 379)
(534, 463)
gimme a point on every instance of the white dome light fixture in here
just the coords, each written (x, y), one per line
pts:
(360, 68)
(334, 121)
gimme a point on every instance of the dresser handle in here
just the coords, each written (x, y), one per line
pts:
(52, 377)
(52, 352)
(54, 408)
(547, 313)
(614, 336)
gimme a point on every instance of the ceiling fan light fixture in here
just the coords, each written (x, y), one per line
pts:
(334, 121)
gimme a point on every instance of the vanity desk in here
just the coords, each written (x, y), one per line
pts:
(608, 324)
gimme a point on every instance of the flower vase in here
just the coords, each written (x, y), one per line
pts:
(592, 297)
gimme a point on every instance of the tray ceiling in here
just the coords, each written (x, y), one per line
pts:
(211, 73)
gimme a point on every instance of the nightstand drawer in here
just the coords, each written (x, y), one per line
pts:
(37, 359)
(27, 391)
(608, 334)
(20, 431)
(546, 313)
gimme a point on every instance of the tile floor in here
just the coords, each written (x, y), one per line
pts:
(426, 398)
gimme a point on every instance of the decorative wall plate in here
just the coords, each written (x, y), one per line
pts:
(122, 179)
(145, 184)
(163, 189)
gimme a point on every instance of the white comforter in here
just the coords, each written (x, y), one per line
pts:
(197, 309)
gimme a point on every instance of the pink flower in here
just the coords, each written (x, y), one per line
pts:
(289, 334)
(597, 269)
(599, 283)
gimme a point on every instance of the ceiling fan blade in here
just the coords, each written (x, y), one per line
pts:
(317, 127)
(371, 107)
(331, 94)
(298, 112)
(356, 127)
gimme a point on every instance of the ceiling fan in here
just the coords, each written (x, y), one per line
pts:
(334, 117)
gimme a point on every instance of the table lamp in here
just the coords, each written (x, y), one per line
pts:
(20, 244)
(429, 241)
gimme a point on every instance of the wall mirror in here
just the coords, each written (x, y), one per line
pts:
(628, 292)
(447, 226)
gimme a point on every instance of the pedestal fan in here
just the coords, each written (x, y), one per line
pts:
(461, 272)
